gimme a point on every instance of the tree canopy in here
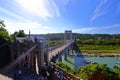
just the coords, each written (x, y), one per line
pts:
(4, 36)
(2, 23)
(21, 33)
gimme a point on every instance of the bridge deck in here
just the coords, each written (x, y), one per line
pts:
(58, 49)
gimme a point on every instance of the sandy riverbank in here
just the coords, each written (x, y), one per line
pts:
(102, 54)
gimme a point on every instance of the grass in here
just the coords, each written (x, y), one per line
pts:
(69, 61)
(99, 48)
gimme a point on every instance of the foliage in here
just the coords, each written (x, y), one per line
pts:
(4, 34)
(99, 46)
(86, 72)
(60, 36)
(117, 71)
(65, 67)
(21, 33)
(100, 42)
(55, 43)
(2, 23)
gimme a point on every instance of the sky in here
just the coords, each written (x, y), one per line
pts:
(56, 16)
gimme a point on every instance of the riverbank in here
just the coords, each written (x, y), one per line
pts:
(102, 54)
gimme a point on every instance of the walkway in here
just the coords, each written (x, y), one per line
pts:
(58, 49)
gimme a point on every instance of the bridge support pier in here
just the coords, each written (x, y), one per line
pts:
(46, 59)
(67, 52)
(65, 55)
(32, 61)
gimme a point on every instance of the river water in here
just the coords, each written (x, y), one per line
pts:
(110, 61)
(81, 61)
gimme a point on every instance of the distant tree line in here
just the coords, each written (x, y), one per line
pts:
(60, 36)
(99, 42)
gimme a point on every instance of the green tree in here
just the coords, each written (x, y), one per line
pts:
(4, 36)
(21, 33)
(2, 23)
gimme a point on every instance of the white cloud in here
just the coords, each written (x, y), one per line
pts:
(100, 9)
(97, 28)
(34, 27)
(46, 27)
(8, 13)
(45, 9)
(12, 26)
(84, 30)
(112, 26)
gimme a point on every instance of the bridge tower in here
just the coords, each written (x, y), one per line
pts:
(67, 35)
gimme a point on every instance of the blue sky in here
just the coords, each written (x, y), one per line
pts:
(55, 16)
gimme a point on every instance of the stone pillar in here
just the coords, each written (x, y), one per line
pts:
(65, 55)
(42, 55)
(32, 60)
(46, 58)
(39, 59)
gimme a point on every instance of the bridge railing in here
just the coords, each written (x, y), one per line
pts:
(66, 75)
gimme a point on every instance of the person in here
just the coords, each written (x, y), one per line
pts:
(61, 75)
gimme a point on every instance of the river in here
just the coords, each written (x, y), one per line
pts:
(81, 61)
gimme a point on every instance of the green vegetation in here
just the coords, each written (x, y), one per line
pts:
(19, 33)
(99, 46)
(55, 43)
(65, 67)
(4, 34)
(69, 61)
(90, 71)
